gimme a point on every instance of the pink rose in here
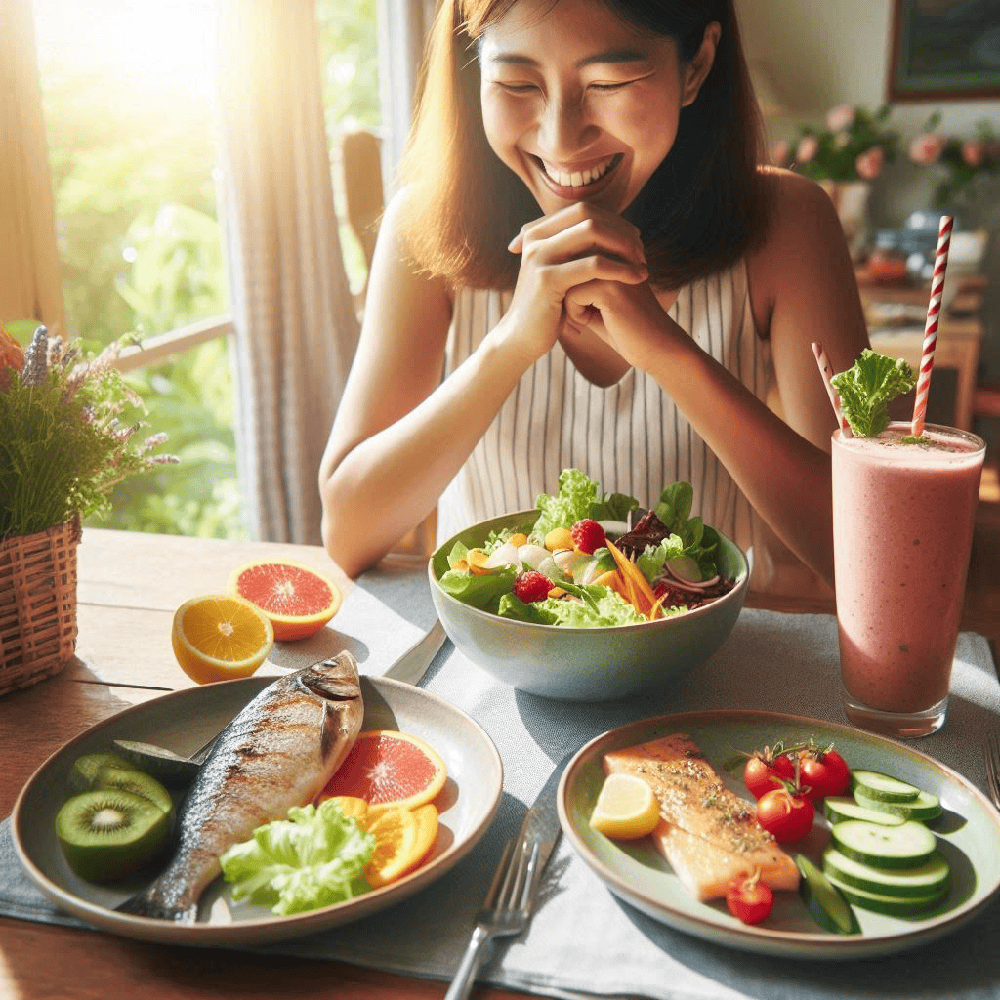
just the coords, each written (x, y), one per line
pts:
(779, 153)
(926, 148)
(869, 163)
(840, 118)
(974, 153)
(807, 148)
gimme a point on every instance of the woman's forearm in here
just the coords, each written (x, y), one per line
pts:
(784, 476)
(388, 482)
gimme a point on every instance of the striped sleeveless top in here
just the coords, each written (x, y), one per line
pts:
(629, 436)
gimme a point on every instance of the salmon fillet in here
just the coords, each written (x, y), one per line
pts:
(706, 832)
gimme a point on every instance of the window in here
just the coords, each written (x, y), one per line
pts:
(128, 96)
(128, 100)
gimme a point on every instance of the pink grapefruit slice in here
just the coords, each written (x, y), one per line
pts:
(297, 599)
(389, 769)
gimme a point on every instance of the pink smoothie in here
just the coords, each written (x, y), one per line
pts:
(903, 518)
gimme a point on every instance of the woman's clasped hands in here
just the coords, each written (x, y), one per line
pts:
(583, 268)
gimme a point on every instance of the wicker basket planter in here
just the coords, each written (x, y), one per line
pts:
(37, 604)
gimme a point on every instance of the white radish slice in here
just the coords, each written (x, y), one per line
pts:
(532, 555)
(505, 555)
(566, 559)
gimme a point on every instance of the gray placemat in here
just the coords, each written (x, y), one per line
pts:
(582, 939)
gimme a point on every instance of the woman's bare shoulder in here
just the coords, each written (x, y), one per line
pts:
(804, 245)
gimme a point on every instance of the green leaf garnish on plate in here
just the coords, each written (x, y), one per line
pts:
(867, 389)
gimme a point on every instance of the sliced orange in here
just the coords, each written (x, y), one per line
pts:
(626, 808)
(388, 769)
(220, 637)
(403, 838)
(297, 599)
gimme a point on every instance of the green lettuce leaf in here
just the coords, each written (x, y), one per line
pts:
(599, 607)
(481, 590)
(579, 497)
(312, 859)
(867, 389)
(651, 561)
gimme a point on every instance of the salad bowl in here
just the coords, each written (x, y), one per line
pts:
(584, 664)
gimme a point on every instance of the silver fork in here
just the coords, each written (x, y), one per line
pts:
(991, 756)
(504, 912)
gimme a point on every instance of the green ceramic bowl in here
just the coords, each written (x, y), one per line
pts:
(584, 664)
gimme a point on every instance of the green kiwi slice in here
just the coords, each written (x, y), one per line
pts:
(109, 834)
(85, 770)
(137, 783)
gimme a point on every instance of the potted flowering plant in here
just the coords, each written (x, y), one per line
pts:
(963, 164)
(63, 447)
(844, 157)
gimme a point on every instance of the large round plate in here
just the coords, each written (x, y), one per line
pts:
(184, 720)
(968, 832)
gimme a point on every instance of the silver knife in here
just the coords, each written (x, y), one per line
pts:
(413, 664)
(540, 826)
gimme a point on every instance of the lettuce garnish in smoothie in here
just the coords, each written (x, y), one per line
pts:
(867, 389)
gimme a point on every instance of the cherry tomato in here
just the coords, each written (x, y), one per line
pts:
(749, 899)
(824, 772)
(765, 769)
(786, 815)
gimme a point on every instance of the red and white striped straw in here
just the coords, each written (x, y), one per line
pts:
(930, 330)
(827, 372)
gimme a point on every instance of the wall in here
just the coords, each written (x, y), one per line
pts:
(819, 53)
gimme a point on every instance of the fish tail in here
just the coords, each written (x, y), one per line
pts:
(152, 904)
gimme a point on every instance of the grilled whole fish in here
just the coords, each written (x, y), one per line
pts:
(278, 752)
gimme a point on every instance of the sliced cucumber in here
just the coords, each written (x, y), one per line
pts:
(929, 879)
(924, 807)
(883, 787)
(904, 846)
(838, 807)
(895, 906)
(827, 904)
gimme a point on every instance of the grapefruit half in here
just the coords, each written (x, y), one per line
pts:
(297, 600)
(388, 769)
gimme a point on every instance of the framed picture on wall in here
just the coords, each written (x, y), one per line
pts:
(945, 50)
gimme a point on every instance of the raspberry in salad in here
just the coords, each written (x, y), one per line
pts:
(587, 535)
(532, 586)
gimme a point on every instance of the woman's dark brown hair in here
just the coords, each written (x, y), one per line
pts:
(703, 207)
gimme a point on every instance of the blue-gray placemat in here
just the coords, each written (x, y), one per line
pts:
(582, 939)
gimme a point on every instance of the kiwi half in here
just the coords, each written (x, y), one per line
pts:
(137, 783)
(108, 834)
(85, 770)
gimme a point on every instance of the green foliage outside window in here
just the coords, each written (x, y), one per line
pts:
(140, 245)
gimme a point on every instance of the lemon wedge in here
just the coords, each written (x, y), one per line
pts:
(626, 808)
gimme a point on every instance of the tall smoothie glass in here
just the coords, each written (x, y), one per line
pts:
(903, 519)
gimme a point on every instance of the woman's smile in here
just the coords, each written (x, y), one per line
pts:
(579, 104)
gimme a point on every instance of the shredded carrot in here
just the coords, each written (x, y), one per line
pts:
(637, 590)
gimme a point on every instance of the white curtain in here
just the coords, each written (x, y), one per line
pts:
(292, 305)
(403, 27)
(30, 278)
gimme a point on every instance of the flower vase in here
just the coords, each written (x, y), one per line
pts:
(37, 604)
(850, 199)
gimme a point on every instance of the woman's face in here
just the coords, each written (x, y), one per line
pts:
(579, 104)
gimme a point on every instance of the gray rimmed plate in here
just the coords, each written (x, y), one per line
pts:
(968, 832)
(184, 720)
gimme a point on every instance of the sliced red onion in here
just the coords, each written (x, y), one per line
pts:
(690, 584)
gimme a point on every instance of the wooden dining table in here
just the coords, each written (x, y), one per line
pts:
(129, 586)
